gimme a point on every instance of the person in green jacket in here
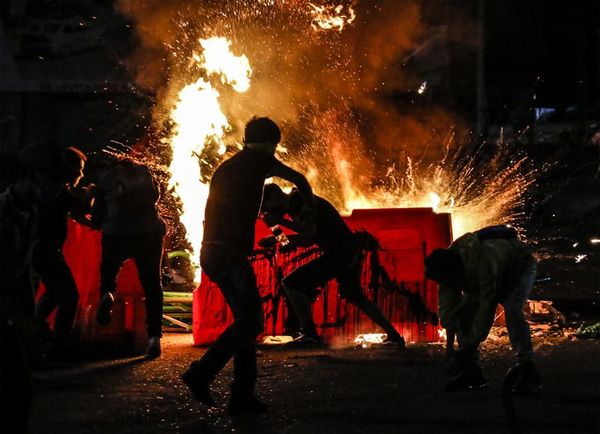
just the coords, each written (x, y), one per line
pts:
(478, 271)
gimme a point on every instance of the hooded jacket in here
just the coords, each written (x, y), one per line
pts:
(492, 269)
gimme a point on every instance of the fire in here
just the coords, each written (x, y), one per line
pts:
(365, 340)
(442, 334)
(199, 122)
(331, 17)
(477, 190)
(343, 162)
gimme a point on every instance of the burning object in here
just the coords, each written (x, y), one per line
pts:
(367, 340)
(331, 17)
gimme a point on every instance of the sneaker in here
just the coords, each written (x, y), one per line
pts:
(305, 339)
(528, 381)
(103, 314)
(471, 379)
(246, 404)
(199, 387)
(153, 349)
(395, 342)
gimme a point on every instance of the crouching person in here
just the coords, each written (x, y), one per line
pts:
(478, 271)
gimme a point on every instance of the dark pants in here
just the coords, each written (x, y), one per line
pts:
(16, 391)
(146, 251)
(344, 266)
(234, 275)
(516, 324)
(61, 291)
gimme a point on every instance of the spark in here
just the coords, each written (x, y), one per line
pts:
(331, 17)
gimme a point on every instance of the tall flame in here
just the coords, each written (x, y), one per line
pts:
(199, 122)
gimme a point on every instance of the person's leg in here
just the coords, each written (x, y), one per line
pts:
(350, 288)
(298, 282)
(42, 264)
(518, 328)
(148, 257)
(235, 278)
(114, 253)
(60, 282)
(519, 332)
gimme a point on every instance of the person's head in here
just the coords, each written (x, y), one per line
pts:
(275, 201)
(445, 266)
(42, 163)
(73, 162)
(262, 134)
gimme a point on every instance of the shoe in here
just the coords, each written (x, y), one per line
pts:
(305, 339)
(246, 404)
(395, 342)
(528, 381)
(153, 349)
(103, 315)
(471, 379)
(199, 387)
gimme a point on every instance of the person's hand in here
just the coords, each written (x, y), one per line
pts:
(268, 242)
(290, 247)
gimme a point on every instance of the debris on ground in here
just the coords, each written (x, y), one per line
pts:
(588, 331)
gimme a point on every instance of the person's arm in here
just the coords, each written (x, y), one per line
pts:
(487, 276)
(308, 214)
(449, 301)
(274, 219)
(280, 170)
(99, 209)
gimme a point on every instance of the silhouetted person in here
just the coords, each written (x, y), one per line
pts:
(48, 258)
(125, 208)
(341, 259)
(20, 331)
(478, 271)
(231, 212)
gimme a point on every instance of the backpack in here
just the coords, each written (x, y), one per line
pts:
(496, 232)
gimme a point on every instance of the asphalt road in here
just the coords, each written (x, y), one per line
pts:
(326, 390)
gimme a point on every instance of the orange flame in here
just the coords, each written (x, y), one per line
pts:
(198, 123)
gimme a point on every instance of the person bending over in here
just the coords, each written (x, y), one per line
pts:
(478, 271)
(341, 259)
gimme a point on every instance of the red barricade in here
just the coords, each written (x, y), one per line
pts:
(394, 279)
(83, 251)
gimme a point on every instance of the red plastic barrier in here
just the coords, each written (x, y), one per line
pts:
(406, 236)
(83, 251)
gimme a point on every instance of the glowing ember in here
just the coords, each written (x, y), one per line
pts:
(331, 17)
(595, 241)
(198, 123)
(579, 258)
(422, 88)
(365, 340)
(442, 334)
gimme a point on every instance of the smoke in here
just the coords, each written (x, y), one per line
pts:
(295, 66)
